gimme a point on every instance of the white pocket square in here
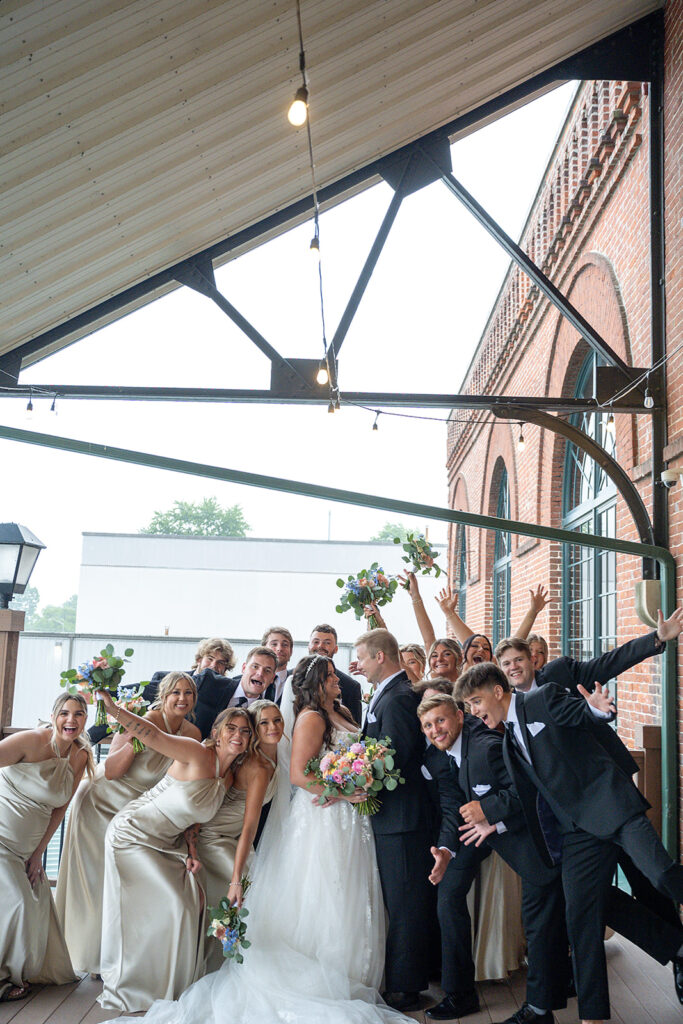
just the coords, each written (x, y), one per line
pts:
(426, 772)
(371, 717)
(481, 790)
(535, 727)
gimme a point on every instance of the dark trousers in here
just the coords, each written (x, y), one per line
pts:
(588, 864)
(543, 917)
(638, 839)
(457, 966)
(404, 863)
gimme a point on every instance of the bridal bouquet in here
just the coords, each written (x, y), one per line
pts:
(364, 588)
(228, 925)
(420, 555)
(366, 764)
(103, 673)
(137, 705)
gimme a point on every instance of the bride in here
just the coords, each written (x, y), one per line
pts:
(316, 915)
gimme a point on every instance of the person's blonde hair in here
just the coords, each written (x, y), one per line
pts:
(376, 640)
(436, 701)
(536, 638)
(452, 645)
(256, 711)
(168, 685)
(219, 725)
(418, 651)
(82, 741)
(216, 643)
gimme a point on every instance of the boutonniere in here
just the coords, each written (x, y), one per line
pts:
(367, 697)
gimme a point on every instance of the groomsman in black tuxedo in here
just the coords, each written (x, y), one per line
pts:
(281, 641)
(479, 805)
(573, 776)
(514, 656)
(213, 658)
(324, 641)
(401, 826)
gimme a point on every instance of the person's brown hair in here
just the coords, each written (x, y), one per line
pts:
(376, 640)
(324, 627)
(436, 701)
(536, 638)
(216, 643)
(265, 651)
(277, 629)
(168, 685)
(223, 719)
(307, 679)
(442, 685)
(514, 643)
(480, 677)
(82, 741)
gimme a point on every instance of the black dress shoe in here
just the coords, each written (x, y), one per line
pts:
(525, 1015)
(678, 978)
(402, 1000)
(454, 1006)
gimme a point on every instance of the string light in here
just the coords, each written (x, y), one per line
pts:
(323, 374)
(609, 426)
(314, 247)
(29, 406)
(53, 407)
(298, 109)
(648, 400)
(521, 443)
(374, 425)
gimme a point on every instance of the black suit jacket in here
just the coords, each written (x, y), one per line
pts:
(570, 673)
(482, 776)
(404, 809)
(571, 764)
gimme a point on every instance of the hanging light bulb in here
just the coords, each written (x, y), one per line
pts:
(298, 110)
(374, 425)
(314, 247)
(29, 407)
(648, 401)
(609, 426)
(323, 374)
(521, 443)
(53, 407)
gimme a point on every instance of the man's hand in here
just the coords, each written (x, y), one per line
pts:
(447, 601)
(476, 833)
(442, 859)
(34, 868)
(472, 813)
(539, 599)
(354, 670)
(669, 629)
(600, 699)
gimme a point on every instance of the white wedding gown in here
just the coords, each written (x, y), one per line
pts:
(316, 924)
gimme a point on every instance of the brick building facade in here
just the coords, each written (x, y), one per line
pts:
(589, 231)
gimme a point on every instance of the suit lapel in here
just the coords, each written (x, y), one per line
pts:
(387, 689)
(464, 773)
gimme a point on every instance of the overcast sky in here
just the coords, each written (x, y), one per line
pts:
(416, 329)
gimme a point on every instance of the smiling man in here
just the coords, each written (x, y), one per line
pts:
(324, 641)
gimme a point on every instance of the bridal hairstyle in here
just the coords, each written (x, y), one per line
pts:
(255, 711)
(225, 718)
(82, 741)
(216, 643)
(309, 676)
(168, 685)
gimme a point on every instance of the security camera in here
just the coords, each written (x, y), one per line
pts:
(670, 477)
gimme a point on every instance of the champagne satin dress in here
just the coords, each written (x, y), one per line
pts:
(32, 946)
(78, 897)
(152, 910)
(216, 848)
(495, 902)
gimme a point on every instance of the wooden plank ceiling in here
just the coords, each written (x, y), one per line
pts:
(135, 133)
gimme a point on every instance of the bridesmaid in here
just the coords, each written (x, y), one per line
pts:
(124, 776)
(39, 771)
(153, 905)
(224, 845)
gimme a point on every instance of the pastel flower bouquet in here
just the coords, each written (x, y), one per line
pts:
(137, 705)
(366, 764)
(103, 673)
(229, 927)
(364, 588)
(420, 556)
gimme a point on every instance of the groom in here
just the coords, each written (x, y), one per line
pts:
(401, 826)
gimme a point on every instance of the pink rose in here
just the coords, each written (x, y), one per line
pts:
(337, 776)
(100, 663)
(220, 931)
(357, 767)
(357, 748)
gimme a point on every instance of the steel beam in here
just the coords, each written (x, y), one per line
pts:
(371, 399)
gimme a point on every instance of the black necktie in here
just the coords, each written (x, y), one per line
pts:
(241, 701)
(453, 765)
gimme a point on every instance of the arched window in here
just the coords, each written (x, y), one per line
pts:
(460, 581)
(589, 506)
(502, 556)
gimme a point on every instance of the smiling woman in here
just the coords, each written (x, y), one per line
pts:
(39, 771)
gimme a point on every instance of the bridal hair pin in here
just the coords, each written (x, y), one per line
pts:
(316, 659)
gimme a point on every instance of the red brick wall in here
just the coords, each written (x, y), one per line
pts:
(589, 231)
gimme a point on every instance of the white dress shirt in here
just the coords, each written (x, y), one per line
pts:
(380, 687)
(239, 692)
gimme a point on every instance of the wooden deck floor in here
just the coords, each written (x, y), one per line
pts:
(641, 992)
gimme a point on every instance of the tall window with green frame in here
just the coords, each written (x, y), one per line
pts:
(502, 559)
(589, 607)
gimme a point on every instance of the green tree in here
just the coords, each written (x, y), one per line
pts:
(391, 530)
(204, 519)
(56, 618)
(27, 602)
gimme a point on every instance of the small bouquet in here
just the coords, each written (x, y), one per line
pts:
(419, 555)
(137, 705)
(366, 764)
(103, 673)
(228, 925)
(364, 588)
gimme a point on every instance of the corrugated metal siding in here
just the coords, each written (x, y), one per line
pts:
(134, 134)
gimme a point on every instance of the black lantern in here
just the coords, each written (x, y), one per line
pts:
(19, 550)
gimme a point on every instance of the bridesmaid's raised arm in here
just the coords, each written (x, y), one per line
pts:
(180, 748)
